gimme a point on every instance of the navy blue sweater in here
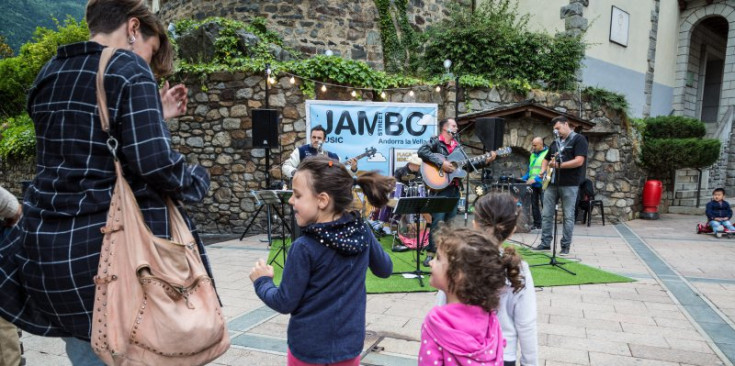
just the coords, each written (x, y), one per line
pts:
(718, 209)
(323, 288)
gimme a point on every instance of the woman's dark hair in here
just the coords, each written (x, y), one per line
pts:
(476, 271)
(498, 214)
(105, 16)
(331, 177)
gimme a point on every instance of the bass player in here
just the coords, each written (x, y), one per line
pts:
(443, 144)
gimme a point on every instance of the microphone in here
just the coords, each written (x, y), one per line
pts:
(556, 134)
(319, 147)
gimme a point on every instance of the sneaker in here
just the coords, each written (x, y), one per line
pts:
(398, 248)
(718, 234)
(428, 259)
(536, 230)
(564, 252)
(543, 247)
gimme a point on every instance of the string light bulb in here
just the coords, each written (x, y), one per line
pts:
(438, 88)
(354, 93)
(411, 93)
(272, 80)
(382, 95)
(324, 88)
(292, 80)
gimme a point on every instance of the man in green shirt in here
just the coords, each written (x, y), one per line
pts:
(534, 178)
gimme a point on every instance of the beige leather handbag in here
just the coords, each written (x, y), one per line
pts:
(154, 302)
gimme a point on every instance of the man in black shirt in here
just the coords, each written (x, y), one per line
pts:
(569, 168)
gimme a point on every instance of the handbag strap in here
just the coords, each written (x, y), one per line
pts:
(104, 112)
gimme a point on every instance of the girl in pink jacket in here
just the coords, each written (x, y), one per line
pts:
(471, 271)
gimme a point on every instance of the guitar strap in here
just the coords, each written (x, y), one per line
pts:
(561, 149)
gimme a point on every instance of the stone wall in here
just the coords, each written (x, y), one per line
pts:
(14, 173)
(216, 132)
(348, 28)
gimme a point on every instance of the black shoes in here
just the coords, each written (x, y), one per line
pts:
(542, 247)
(564, 251)
(428, 259)
(398, 248)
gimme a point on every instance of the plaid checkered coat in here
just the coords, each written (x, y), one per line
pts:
(48, 261)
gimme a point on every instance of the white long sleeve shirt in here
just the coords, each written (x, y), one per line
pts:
(8, 204)
(517, 314)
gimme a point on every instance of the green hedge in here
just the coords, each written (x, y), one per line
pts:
(675, 142)
(17, 138)
(673, 127)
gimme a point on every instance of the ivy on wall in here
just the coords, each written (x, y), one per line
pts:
(397, 48)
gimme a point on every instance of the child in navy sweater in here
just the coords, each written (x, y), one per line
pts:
(323, 286)
(719, 213)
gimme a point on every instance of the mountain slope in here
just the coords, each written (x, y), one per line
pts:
(21, 17)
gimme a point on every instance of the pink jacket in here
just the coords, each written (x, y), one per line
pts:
(459, 334)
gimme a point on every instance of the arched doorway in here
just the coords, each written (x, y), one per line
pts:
(706, 67)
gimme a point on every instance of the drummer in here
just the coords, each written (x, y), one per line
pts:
(410, 172)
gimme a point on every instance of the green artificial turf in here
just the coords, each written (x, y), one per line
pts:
(406, 262)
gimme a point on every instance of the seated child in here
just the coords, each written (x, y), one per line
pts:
(472, 272)
(719, 213)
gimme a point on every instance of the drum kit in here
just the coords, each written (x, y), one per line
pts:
(402, 227)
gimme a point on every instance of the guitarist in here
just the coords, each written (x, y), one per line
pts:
(570, 172)
(443, 144)
(318, 135)
(534, 176)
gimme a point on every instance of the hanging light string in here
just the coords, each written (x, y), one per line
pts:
(325, 85)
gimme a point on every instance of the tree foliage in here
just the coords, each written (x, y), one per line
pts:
(18, 73)
(494, 42)
(22, 17)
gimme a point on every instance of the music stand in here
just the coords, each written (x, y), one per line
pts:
(268, 198)
(417, 206)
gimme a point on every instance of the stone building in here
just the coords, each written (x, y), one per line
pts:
(666, 57)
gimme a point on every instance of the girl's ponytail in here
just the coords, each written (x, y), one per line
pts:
(512, 265)
(376, 187)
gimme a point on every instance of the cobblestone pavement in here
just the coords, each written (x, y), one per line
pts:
(680, 311)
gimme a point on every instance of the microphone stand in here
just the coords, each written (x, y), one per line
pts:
(557, 177)
(467, 183)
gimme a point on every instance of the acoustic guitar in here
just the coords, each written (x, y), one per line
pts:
(549, 174)
(436, 178)
(359, 202)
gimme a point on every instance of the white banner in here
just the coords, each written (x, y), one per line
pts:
(353, 127)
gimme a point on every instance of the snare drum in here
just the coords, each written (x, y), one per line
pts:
(398, 191)
(421, 190)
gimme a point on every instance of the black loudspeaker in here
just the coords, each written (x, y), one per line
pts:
(265, 128)
(490, 131)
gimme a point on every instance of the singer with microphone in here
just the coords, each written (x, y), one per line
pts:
(443, 144)
(318, 135)
(567, 157)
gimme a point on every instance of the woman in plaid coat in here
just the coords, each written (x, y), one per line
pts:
(49, 259)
